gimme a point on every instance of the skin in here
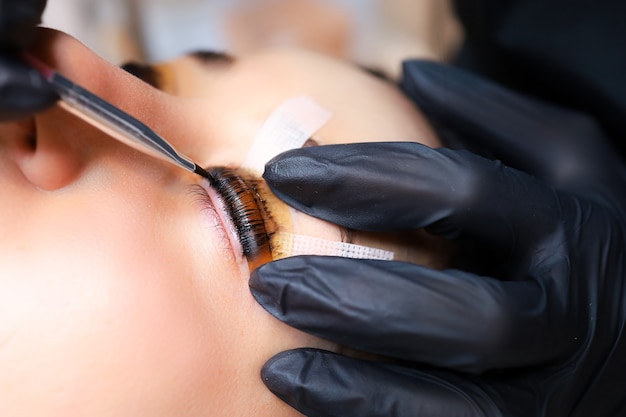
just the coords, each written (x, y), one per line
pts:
(120, 293)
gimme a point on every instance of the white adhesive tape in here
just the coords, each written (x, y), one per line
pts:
(288, 127)
(294, 244)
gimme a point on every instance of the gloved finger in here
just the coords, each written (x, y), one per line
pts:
(319, 383)
(449, 319)
(391, 186)
(23, 91)
(18, 20)
(560, 146)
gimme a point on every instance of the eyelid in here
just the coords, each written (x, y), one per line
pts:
(245, 210)
(240, 218)
(202, 199)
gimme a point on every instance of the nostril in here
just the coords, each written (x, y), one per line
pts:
(46, 156)
(27, 134)
(31, 139)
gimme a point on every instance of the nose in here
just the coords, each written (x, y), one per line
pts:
(64, 147)
(51, 156)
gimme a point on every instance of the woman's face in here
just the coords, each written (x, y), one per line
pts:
(120, 291)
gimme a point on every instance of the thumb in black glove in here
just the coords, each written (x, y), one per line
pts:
(542, 336)
(23, 90)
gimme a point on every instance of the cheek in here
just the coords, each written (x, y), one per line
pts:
(102, 326)
(129, 317)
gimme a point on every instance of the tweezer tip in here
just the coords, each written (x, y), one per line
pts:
(203, 173)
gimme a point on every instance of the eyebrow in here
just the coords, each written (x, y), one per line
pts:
(208, 57)
(144, 72)
(149, 74)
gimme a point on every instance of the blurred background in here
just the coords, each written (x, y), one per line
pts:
(375, 33)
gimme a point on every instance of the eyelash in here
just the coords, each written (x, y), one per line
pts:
(242, 203)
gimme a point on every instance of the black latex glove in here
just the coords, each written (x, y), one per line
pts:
(23, 90)
(542, 336)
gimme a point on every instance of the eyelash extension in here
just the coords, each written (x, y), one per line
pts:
(242, 203)
(256, 228)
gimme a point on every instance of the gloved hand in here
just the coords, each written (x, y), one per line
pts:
(23, 90)
(542, 335)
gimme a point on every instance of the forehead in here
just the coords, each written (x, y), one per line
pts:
(186, 75)
(364, 107)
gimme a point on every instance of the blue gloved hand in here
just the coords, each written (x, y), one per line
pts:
(23, 91)
(532, 325)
